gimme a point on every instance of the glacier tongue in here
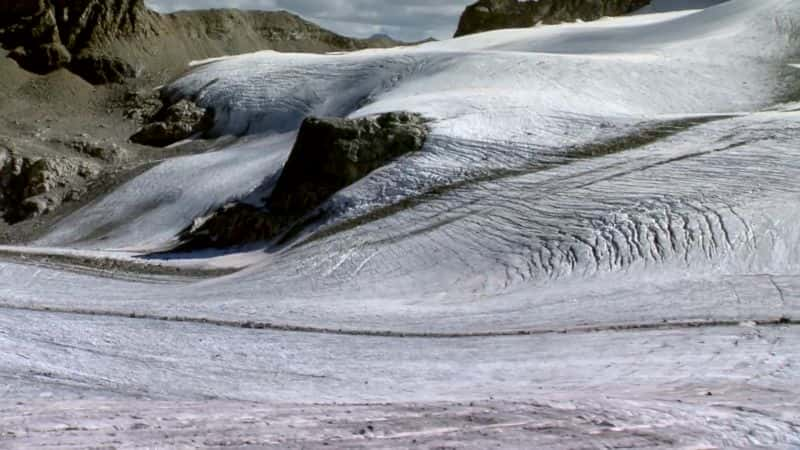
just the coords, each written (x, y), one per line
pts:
(560, 158)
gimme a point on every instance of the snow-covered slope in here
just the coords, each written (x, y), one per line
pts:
(498, 99)
(634, 172)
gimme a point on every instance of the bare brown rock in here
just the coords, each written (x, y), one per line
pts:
(487, 15)
(332, 153)
(30, 187)
(174, 123)
(111, 40)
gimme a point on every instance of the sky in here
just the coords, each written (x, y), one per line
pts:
(408, 20)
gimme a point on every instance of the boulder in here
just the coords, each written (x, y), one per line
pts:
(329, 155)
(37, 206)
(10, 170)
(142, 106)
(487, 15)
(233, 224)
(332, 153)
(174, 123)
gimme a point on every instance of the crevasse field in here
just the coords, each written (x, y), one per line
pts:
(599, 245)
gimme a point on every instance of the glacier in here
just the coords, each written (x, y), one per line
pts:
(605, 213)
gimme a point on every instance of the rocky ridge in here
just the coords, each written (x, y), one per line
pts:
(46, 35)
(107, 41)
(488, 15)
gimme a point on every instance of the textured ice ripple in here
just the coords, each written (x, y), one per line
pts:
(707, 197)
(637, 236)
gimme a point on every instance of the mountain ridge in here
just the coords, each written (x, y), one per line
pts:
(124, 38)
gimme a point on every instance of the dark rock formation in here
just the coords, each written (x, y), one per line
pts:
(107, 40)
(96, 24)
(27, 23)
(101, 69)
(43, 58)
(234, 224)
(142, 105)
(487, 15)
(20, 8)
(47, 34)
(329, 155)
(30, 187)
(174, 123)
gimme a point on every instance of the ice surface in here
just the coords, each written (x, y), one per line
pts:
(630, 172)
(150, 210)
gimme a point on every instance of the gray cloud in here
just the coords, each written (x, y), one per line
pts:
(402, 19)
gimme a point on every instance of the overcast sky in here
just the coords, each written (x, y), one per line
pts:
(401, 19)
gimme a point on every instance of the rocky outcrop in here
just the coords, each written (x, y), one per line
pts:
(329, 155)
(46, 35)
(31, 187)
(174, 123)
(487, 15)
(106, 41)
(142, 106)
(97, 24)
(105, 151)
(233, 224)
(30, 30)
(27, 23)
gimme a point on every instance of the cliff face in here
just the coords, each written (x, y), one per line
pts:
(109, 40)
(94, 24)
(77, 25)
(487, 15)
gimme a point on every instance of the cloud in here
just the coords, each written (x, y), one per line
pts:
(402, 19)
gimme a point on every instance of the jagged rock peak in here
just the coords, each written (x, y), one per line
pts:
(46, 35)
(77, 24)
(86, 24)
